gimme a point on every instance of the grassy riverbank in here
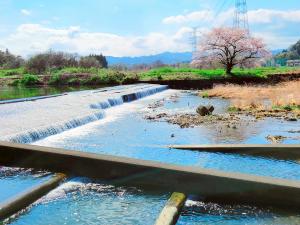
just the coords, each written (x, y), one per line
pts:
(169, 73)
(73, 76)
(96, 76)
(261, 101)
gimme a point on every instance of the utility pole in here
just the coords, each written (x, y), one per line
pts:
(241, 15)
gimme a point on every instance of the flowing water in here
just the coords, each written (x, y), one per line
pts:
(211, 213)
(40, 118)
(17, 92)
(81, 201)
(123, 131)
(15, 181)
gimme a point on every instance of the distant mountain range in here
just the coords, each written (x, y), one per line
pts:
(277, 51)
(166, 58)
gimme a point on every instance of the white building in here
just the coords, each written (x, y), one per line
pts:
(293, 63)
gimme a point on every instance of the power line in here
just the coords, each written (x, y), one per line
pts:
(240, 20)
(221, 8)
(196, 35)
(225, 4)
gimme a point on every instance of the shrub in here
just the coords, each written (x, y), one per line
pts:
(115, 77)
(92, 76)
(29, 79)
(89, 62)
(10, 61)
(101, 59)
(131, 79)
(55, 79)
(50, 61)
(205, 95)
(37, 64)
(11, 72)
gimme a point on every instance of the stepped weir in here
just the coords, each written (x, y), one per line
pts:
(211, 185)
(42, 117)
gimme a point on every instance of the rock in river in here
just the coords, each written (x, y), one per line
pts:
(205, 110)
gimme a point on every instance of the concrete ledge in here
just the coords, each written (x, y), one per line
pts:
(285, 152)
(25, 199)
(30, 99)
(211, 185)
(171, 212)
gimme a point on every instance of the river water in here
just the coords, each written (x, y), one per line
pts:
(17, 92)
(123, 131)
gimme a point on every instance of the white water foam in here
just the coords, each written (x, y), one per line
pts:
(73, 185)
(73, 104)
(111, 114)
(43, 132)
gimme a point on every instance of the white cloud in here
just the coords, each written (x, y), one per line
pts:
(278, 30)
(261, 16)
(25, 12)
(276, 41)
(203, 15)
(268, 16)
(33, 38)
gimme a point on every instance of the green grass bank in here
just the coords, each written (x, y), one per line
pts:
(77, 76)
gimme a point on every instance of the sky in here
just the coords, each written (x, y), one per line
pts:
(135, 27)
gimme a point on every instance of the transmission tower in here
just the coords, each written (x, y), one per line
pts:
(241, 15)
(194, 42)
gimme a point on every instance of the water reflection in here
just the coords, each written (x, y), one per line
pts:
(12, 92)
(124, 132)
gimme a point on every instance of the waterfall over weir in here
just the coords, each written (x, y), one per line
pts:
(43, 132)
(128, 97)
(76, 109)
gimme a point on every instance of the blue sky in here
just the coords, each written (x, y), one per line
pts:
(134, 27)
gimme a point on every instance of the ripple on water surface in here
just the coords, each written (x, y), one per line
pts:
(124, 132)
(14, 181)
(80, 201)
(210, 214)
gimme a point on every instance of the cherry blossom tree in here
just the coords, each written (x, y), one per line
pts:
(230, 47)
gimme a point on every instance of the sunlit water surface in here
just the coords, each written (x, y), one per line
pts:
(80, 201)
(212, 214)
(17, 92)
(125, 132)
(16, 181)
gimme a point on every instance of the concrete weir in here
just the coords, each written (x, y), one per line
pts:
(285, 152)
(30, 99)
(28, 197)
(211, 185)
(40, 118)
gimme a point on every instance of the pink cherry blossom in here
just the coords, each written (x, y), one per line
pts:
(230, 47)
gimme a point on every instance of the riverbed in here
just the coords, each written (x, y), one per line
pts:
(124, 131)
